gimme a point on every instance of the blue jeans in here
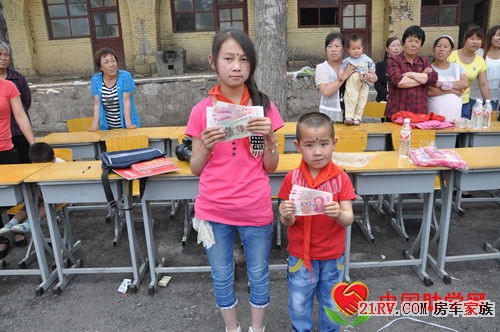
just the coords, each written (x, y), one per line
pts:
(302, 289)
(256, 247)
(494, 105)
(467, 109)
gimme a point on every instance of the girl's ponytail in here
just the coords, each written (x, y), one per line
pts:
(258, 97)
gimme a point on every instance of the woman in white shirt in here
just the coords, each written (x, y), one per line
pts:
(446, 97)
(327, 77)
(492, 57)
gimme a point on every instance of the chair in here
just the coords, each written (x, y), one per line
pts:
(419, 138)
(65, 154)
(374, 110)
(495, 115)
(79, 124)
(351, 140)
(118, 143)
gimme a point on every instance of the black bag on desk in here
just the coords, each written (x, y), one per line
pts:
(124, 159)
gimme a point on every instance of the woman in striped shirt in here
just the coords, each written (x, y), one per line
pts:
(112, 89)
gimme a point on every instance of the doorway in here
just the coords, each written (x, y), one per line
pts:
(105, 28)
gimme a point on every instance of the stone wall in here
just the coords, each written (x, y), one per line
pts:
(165, 101)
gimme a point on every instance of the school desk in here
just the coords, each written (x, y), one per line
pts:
(483, 174)
(159, 137)
(485, 137)
(385, 174)
(12, 192)
(80, 182)
(85, 144)
(379, 135)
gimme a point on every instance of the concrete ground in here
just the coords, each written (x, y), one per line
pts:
(92, 302)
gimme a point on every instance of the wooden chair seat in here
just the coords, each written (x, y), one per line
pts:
(351, 140)
(79, 124)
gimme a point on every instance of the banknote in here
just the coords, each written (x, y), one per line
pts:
(232, 118)
(308, 201)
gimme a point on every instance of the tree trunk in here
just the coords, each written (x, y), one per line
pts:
(271, 46)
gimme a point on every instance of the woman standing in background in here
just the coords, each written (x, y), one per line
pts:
(112, 89)
(492, 57)
(328, 80)
(474, 65)
(20, 143)
(392, 47)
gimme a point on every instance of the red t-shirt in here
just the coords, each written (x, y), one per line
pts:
(8, 90)
(327, 236)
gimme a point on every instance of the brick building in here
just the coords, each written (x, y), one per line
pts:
(59, 37)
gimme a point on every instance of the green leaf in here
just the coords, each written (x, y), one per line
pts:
(335, 316)
(359, 320)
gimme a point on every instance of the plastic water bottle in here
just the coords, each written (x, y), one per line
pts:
(487, 114)
(405, 139)
(477, 114)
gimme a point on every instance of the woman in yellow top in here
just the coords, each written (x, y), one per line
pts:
(474, 65)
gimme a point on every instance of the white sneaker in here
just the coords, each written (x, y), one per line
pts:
(6, 229)
(237, 330)
(23, 228)
(252, 330)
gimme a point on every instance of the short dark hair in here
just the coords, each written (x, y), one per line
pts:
(102, 52)
(473, 30)
(315, 120)
(332, 36)
(414, 31)
(41, 152)
(354, 38)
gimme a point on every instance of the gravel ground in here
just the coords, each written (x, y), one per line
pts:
(92, 302)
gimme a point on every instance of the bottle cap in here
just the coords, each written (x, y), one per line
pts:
(488, 100)
(407, 120)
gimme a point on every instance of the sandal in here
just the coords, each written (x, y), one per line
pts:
(20, 240)
(3, 253)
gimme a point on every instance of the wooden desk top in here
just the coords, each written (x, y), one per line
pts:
(494, 128)
(383, 161)
(152, 132)
(384, 128)
(70, 171)
(73, 137)
(481, 157)
(74, 172)
(14, 174)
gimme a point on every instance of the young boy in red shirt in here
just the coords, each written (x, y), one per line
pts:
(316, 244)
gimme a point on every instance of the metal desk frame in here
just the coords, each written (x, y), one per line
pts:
(394, 182)
(11, 195)
(87, 192)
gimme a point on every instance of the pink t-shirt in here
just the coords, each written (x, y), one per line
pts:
(8, 90)
(234, 187)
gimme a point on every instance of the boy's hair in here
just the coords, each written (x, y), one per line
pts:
(332, 36)
(354, 38)
(414, 31)
(314, 120)
(41, 153)
(258, 97)
(489, 34)
(103, 52)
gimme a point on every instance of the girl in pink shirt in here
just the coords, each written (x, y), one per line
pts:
(234, 191)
